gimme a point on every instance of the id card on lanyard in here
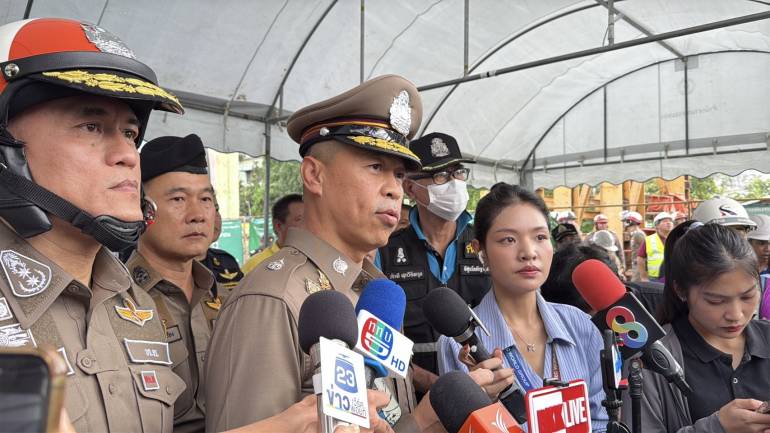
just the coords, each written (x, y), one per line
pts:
(517, 364)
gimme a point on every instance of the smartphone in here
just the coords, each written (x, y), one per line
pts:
(764, 408)
(31, 389)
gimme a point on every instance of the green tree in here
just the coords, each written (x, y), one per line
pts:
(756, 188)
(705, 188)
(284, 179)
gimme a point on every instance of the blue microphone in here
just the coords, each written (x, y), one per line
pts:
(385, 300)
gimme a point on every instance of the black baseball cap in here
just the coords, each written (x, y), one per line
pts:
(563, 230)
(437, 150)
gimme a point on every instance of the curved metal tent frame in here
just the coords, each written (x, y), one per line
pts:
(242, 67)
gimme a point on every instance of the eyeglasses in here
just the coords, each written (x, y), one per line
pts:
(442, 177)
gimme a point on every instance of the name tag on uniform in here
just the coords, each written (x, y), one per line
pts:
(473, 270)
(406, 275)
(173, 335)
(153, 352)
(15, 336)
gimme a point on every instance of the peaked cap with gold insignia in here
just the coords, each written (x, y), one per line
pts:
(379, 115)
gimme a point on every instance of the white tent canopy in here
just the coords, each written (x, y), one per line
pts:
(694, 104)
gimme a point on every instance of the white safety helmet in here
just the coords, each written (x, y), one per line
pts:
(762, 233)
(662, 216)
(723, 211)
(632, 217)
(604, 239)
(566, 216)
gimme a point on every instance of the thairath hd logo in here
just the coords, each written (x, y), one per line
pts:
(633, 333)
(376, 338)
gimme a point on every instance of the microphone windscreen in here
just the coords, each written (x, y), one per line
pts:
(386, 300)
(446, 311)
(454, 397)
(597, 284)
(327, 314)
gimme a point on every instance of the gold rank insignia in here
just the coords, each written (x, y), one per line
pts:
(322, 284)
(469, 249)
(216, 261)
(228, 275)
(133, 314)
(215, 303)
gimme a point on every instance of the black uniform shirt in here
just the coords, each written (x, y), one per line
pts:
(710, 372)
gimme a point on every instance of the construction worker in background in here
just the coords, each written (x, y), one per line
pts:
(679, 217)
(726, 212)
(650, 254)
(632, 222)
(568, 217)
(602, 223)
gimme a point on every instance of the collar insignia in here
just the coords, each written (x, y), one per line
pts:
(214, 303)
(340, 266)
(27, 277)
(133, 314)
(322, 284)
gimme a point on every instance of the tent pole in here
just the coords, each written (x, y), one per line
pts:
(599, 50)
(466, 27)
(363, 40)
(266, 209)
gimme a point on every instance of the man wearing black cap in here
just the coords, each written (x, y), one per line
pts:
(175, 177)
(564, 234)
(435, 249)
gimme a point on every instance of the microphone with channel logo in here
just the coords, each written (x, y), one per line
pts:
(463, 407)
(621, 312)
(327, 314)
(380, 310)
(449, 315)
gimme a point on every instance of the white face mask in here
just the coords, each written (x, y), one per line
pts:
(447, 201)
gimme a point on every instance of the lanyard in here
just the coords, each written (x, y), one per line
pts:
(517, 364)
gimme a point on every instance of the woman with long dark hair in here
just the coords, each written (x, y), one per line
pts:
(711, 295)
(534, 338)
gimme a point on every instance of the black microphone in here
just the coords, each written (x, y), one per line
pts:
(621, 312)
(449, 315)
(462, 407)
(327, 314)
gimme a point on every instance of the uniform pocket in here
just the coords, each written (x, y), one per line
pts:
(158, 389)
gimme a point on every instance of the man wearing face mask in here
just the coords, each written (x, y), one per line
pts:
(435, 249)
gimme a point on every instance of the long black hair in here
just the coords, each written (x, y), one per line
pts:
(499, 197)
(695, 254)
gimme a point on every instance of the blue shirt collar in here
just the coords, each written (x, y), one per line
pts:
(463, 220)
(553, 324)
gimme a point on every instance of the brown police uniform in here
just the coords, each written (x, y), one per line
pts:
(110, 335)
(188, 331)
(256, 367)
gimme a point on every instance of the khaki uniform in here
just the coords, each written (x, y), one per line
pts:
(119, 364)
(256, 367)
(188, 330)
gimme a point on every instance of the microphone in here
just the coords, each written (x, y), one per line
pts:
(449, 315)
(385, 300)
(327, 314)
(463, 407)
(621, 312)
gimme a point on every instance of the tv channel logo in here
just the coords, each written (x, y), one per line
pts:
(345, 375)
(633, 333)
(376, 338)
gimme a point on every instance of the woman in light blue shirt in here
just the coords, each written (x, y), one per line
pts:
(538, 339)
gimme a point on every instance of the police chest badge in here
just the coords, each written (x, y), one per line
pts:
(438, 148)
(27, 277)
(401, 257)
(401, 113)
(322, 284)
(15, 336)
(132, 314)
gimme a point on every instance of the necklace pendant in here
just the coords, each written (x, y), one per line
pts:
(530, 347)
